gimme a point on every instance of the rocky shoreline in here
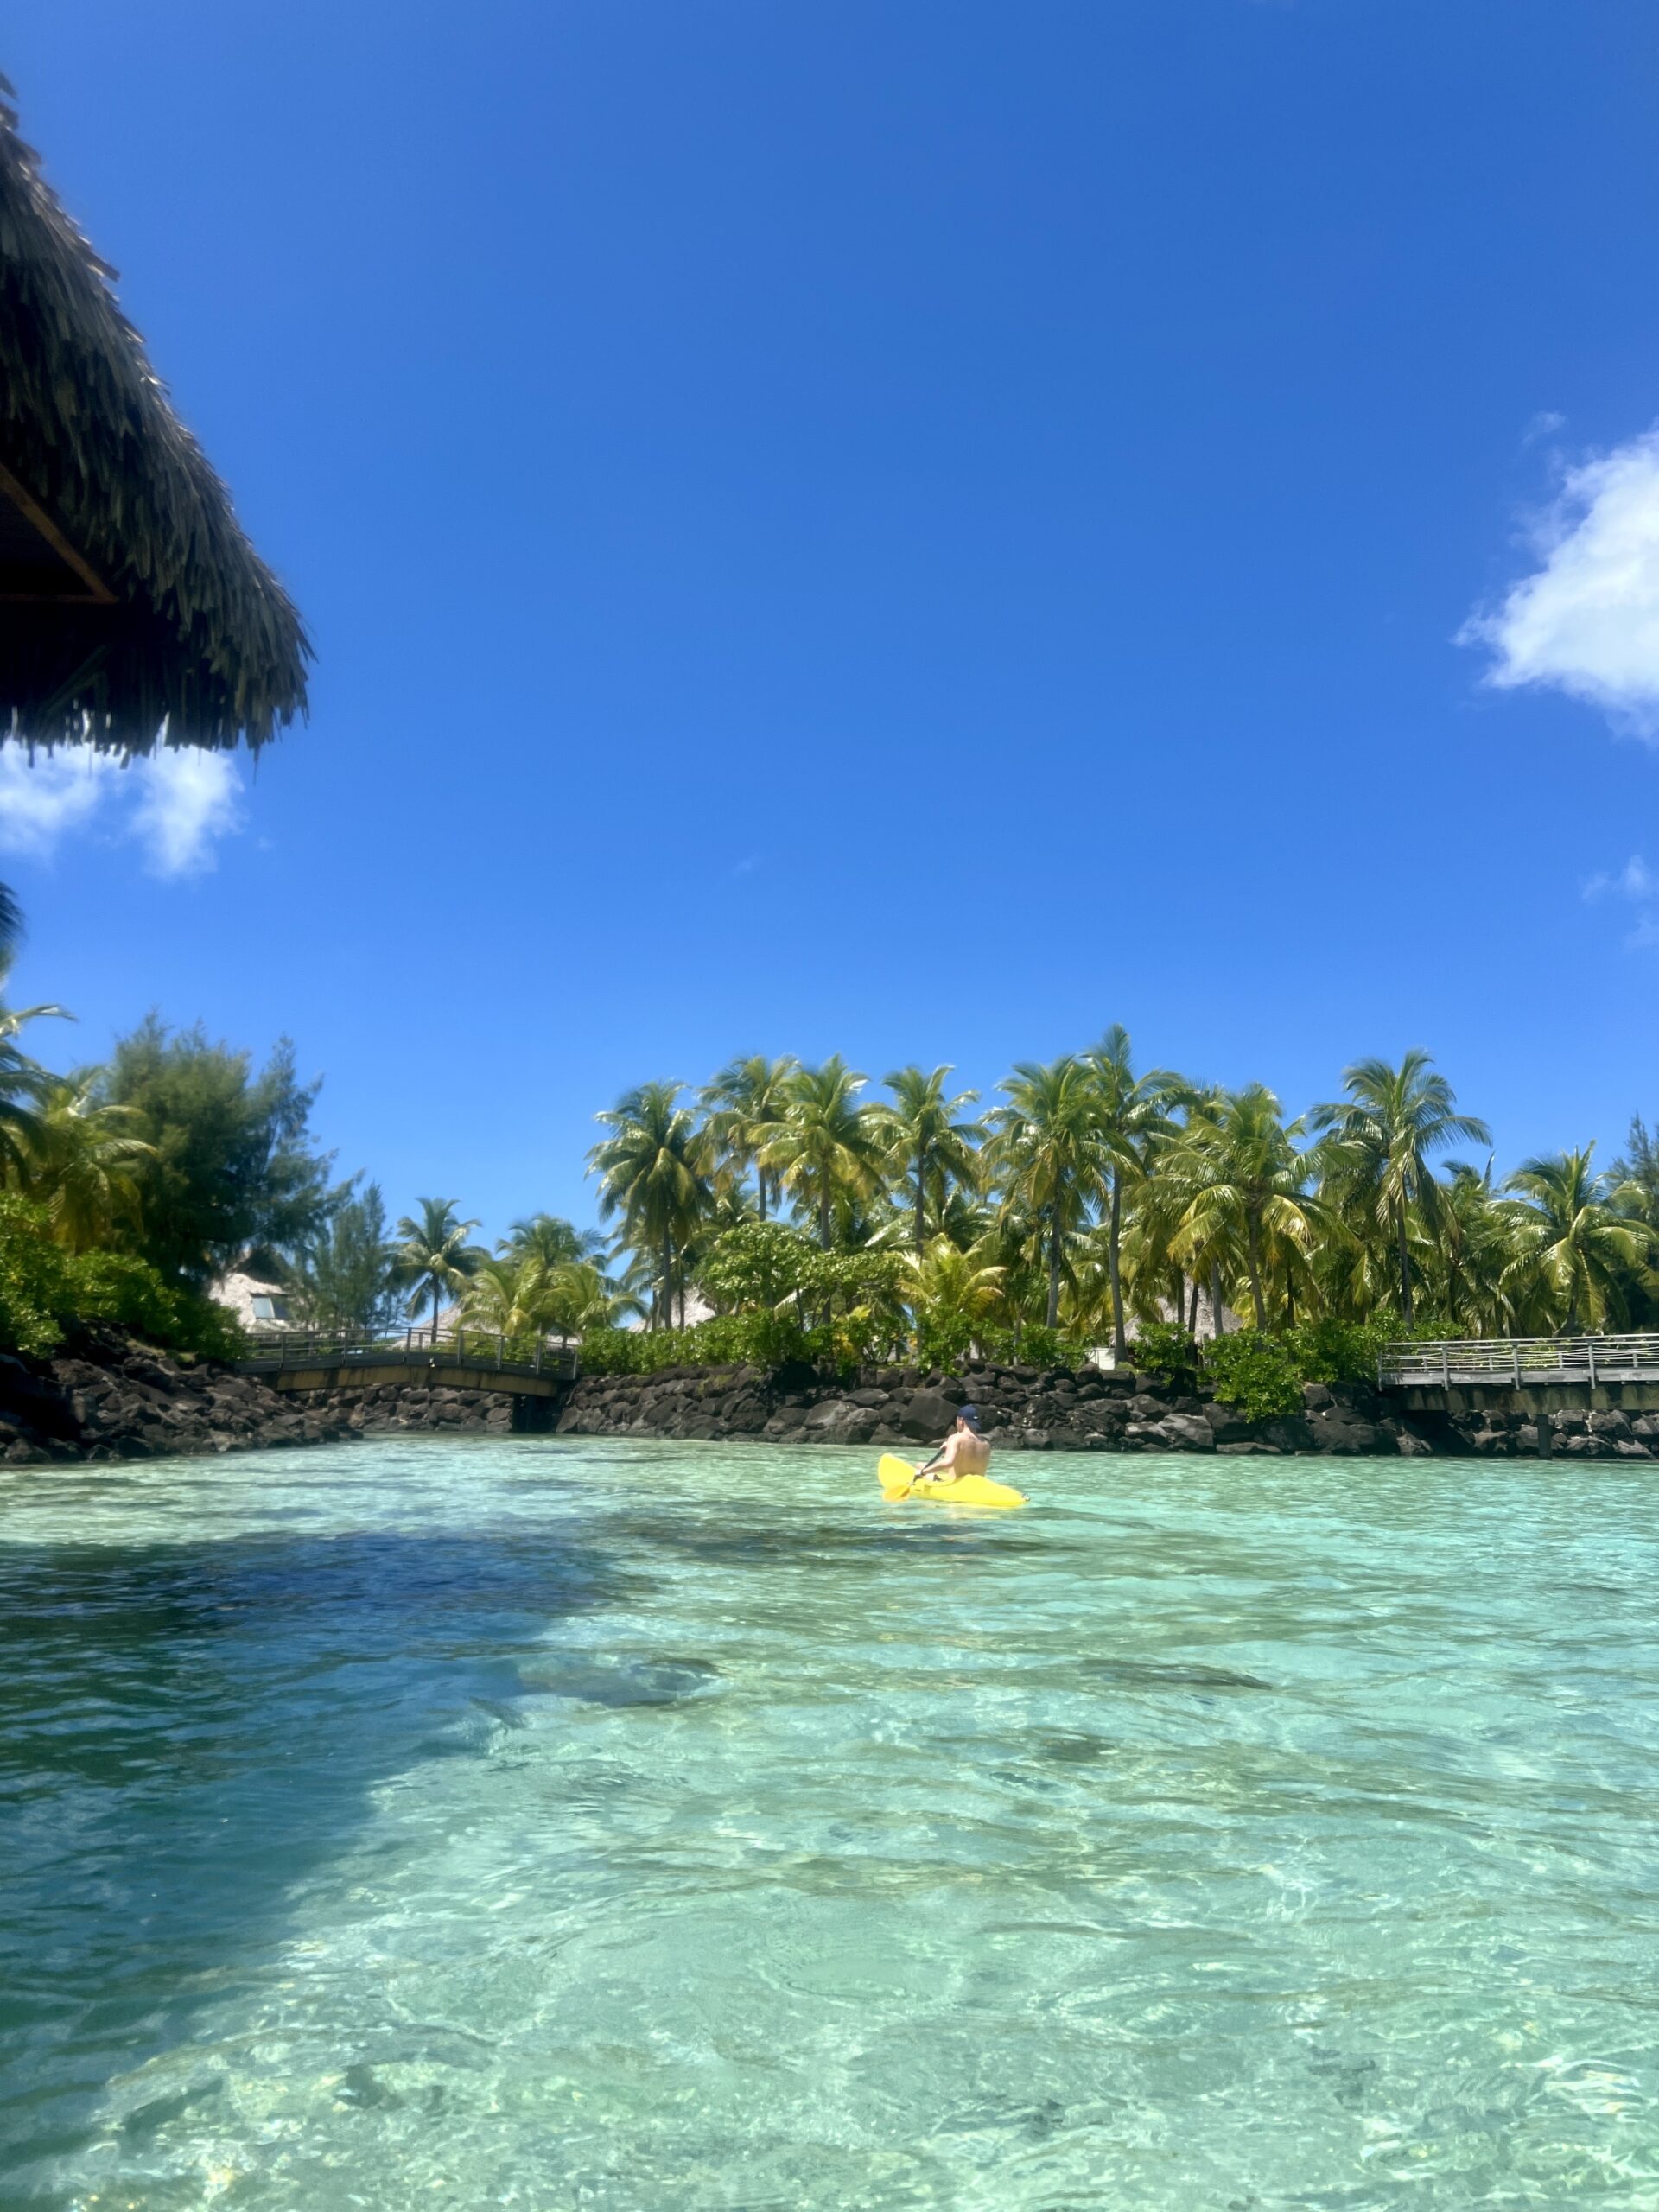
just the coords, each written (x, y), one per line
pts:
(1020, 1409)
(107, 1396)
(1026, 1409)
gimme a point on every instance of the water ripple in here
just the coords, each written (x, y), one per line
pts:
(619, 1826)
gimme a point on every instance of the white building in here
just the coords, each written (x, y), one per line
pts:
(264, 1307)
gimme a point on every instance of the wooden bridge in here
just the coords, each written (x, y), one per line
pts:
(469, 1359)
(1523, 1374)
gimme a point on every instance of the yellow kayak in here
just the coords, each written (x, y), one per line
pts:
(898, 1479)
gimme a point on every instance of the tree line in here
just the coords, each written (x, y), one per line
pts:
(128, 1187)
(1093, 1199)
(1090, 1200)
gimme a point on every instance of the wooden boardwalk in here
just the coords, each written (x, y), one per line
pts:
(1453, 1362)
(469, 1359)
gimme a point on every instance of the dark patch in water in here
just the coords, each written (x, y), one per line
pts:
(851, 1543)
(1074, 1751)
(503, 1713)
(618, 1684)
(363, 2087)
(160, 2112)
(1147, 1675)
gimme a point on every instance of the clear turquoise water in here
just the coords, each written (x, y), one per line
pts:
(616, 1826)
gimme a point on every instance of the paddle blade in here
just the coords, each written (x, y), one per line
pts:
(894, 1475)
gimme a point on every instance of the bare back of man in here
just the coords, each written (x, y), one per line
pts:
(964, 1451)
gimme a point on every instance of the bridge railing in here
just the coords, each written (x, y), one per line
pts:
(1519, 1360)
(295, 1348)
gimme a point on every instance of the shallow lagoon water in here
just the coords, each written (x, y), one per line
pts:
(623, 1825)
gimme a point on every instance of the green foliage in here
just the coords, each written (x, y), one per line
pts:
(1164, 1348)
(434, 1259)
(1263, 1375)
(1255, 1372)
(929, 1152)
(826, 1151)
(231, 1163)
(43, 1289)
(655, 1170)
(758, 1264)
(834, 1282)
(1041, 1346)
(1345, 1351)
(760, 1338)
(942, 1335)
(730, 1339)
(33, 1279)
(349, 1276)
(121, 1288)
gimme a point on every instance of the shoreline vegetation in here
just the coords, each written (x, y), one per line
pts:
(786, 1216)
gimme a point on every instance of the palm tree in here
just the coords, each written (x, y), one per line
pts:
(926, 1145)
(509, 1297)
(1046, 1150)
(433, 1257)
(12, 925)
(1244, 1185)
(580, 1296)
(551, 1239)
(21, 1081)
(745, 1105)
(1574, 1246)
(1393, 1120)
(826, 1153)
(1132, 1114)
(81, 1161)
(952, 1293)
(654, 1171)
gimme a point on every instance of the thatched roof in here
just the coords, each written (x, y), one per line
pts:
(130, 597)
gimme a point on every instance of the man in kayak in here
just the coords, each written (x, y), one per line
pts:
(964, 1451)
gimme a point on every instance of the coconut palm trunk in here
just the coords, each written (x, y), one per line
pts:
(1258, 1305)
(1405, 1270)
(1115, 1266)
(1054, 1271)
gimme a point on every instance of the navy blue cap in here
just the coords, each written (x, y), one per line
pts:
(970, 1413)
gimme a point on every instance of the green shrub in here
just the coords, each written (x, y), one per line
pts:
(758, 1263)
(1256, 1373)
(120, 1287)
(1164, 1348)
(1040, 1346)
(33, 1285)
(765, 1340)
(43, 1289)
(1340, 1351)
(942, 1336)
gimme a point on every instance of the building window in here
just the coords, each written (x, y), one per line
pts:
(268, 1309)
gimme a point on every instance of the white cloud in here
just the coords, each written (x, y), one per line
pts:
(175, 804)
(1587, 622)
(42, 801)
(1636, 880)
(1637, 886)
(186, 800)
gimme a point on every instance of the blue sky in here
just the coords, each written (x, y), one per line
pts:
(909, 530)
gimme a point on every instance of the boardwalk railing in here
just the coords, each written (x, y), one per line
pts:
(295, 1348)
(1520, 1360)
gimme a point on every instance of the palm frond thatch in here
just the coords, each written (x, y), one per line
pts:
(135, 605)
